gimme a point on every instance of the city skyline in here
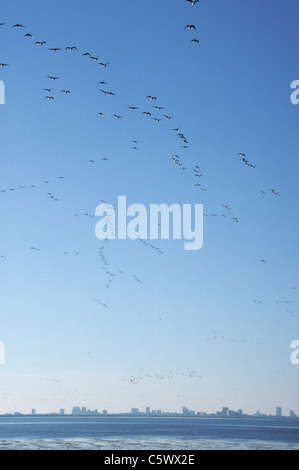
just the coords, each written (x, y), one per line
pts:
(185, 412)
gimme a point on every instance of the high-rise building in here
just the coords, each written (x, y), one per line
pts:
(147, 410)
(134, 411)
(76, 410)
(278, 411)
(33, 411)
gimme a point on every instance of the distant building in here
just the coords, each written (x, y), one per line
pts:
(33, 411)
(147, 410)
(105, 412)
(134, 411)
(278, 411)
(61, 411)
(185, 411)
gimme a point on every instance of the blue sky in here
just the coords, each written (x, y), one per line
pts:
(191, 333)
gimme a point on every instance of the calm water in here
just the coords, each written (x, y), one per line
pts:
(146, 432)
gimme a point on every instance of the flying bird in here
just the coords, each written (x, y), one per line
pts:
(152, 98)
(41, 43)
(193, 2)
(28, 35)
(274, 192)
(101, 303)
(71, 48)
(195, 41)
(3, 65)
(103, 65)
(53, 78)
(18, 25)
(190, 26)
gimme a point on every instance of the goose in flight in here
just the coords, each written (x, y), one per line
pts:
(195, 41)
(18, 25)
(193, 2)
(151, 98)
(274, 192)
(102, 83)
(103, 65)
(3, 65)
(53, 78)
(66, 92)
(49, 97)
(40, 43)
(101, 303)
(146, 113)
(116, 116)
(54, 49)
(28, 35)
(190, 26)
(132, 108)
(48, 90)
(71, 48)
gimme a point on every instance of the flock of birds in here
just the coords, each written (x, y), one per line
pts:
(178, 161)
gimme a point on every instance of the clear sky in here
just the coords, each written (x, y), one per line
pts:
(204, 329)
